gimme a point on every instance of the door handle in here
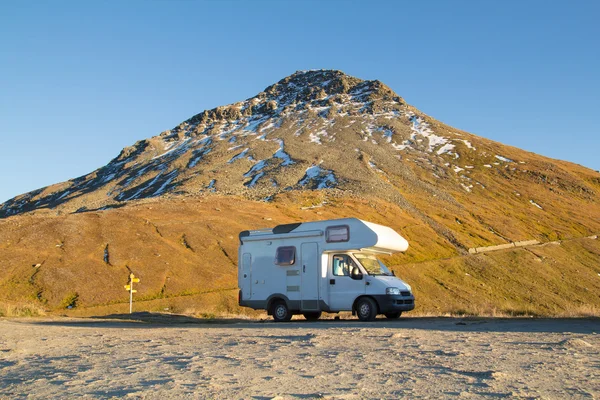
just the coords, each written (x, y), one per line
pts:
(332, 281)
(304, 268)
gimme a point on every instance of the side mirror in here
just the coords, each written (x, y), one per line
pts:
(356, 274)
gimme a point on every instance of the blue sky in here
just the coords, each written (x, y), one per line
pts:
(81, 80)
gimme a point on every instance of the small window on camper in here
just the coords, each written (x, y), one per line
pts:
(339, 233)
(285, 255)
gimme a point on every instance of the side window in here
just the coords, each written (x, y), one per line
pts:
(342, 265)
(285, 255)
(340, 233)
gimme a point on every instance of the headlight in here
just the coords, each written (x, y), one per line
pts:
(392, 290)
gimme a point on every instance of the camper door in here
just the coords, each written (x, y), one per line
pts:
(310, 277)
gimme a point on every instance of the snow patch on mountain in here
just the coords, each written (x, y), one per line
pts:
(501, 158)
(281, 154)
(447, 148)
(254, 122)
(150, 188)
(198, 154)
(536, 204)
(172, 147)
(238, 156)
(211, 185)
(468, 144)
(169, 178)
(315, 137)
(256, 168)
(254, 179)
(421, 130)
(405, 144)
(318, 178)
(374, 166)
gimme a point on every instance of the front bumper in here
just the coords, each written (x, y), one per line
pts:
(394, 303)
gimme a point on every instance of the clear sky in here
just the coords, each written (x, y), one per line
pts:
(80, 80)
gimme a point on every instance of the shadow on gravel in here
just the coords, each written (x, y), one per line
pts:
(467, 324)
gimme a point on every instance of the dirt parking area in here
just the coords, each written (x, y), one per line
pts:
(343, 359)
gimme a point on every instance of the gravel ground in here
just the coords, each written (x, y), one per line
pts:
(345, 359)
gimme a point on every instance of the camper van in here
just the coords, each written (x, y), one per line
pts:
(332, 266)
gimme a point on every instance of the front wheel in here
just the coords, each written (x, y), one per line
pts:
(393, 315)
(312, 316)
(366, 309)
(280, 312)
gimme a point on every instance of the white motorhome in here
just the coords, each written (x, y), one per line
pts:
(332, 266)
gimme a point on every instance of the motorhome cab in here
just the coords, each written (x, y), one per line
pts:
(330, 266)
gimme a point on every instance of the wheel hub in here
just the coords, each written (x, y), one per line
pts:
(364, 309)
(280, 312)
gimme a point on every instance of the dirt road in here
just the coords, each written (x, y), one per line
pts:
(347, 359)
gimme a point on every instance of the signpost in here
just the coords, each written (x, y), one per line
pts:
(129, 288)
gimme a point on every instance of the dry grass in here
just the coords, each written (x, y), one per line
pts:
(200, 278)
(583, 310)
(21, 310)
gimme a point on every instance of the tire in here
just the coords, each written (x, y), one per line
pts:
(366, 309)
(393, 315)
(280, 311)
(313, 315)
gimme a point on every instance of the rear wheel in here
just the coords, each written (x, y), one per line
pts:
(312, 316)
(366, 309)
(393, 315)
(280, 311)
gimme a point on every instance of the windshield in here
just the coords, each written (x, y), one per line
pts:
(372, 265)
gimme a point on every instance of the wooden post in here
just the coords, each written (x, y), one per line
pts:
(129, 288)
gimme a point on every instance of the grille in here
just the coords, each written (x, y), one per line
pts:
(405, 293)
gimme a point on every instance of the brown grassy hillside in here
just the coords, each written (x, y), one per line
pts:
(315, 145)
(185, 252)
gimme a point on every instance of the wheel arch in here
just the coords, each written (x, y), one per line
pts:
(362, 297)
(276, 297)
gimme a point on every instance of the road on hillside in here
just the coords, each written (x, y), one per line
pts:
(345, 359)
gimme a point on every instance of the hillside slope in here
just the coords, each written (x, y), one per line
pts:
(170, 207)
(185, 252)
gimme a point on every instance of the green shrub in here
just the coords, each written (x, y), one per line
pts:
(70, 301)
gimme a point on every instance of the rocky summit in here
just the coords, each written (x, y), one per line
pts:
(314, 130)
(288, 137)
(316, 140)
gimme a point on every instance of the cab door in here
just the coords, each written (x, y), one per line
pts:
(343, 289)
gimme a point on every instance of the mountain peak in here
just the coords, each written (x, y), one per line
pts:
(320, 84)
(311, 130)
(323, 78)
(302, 90)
